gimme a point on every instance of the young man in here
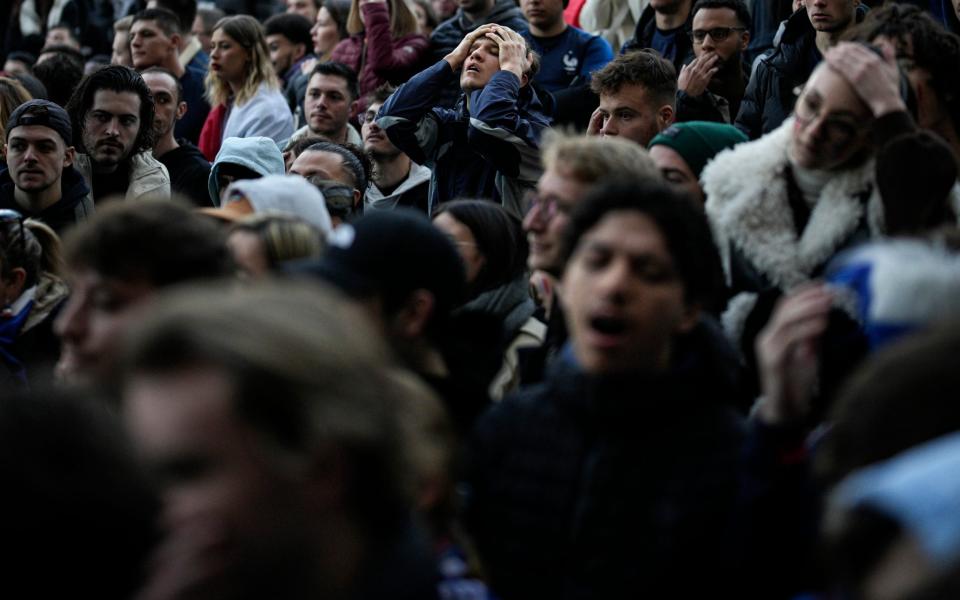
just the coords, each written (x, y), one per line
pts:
(664, 26)
(488, 147)
(119, 259)
(682, 151)
(40, 181)
(193, 54)
(331, 100)
(329, 162)
(711, 87)
(638, 95)
(290, 44)
(155, 42)
(397, 180)
(470, 15)
(769, 97)
(188, 169)
(621, 466)
(113, 112)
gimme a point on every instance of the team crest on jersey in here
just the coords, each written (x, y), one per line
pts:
(570, 62)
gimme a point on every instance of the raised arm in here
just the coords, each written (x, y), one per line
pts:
(388, 57)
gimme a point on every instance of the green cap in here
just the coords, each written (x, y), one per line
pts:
(699, 141)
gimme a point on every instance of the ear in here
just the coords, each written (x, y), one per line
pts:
(524, 80)
(411, 320)
(665, 116)
(175, 40)
(181, 110)
(69, 155)
(354, 107)
(14, 284)
(744, 41)
(357, 198)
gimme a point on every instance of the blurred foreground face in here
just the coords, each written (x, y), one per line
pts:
(677, 172)
(232, 508)
(548, 215)
(624, 297)
(249, 253)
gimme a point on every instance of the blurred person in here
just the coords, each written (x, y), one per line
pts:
(664, 26)
(330, 101)
(121, 42)
(637, 93)
(470, 16)
(769, 97)
(33, 85)
(295, 148)
(188, 169)
(444, 9)
(40, 181)
(61, 34)
(427, 19)
(155, 42)
(191, 53)
(333, 162)
(60, 75)
(330, 28)
(31, 20)
(95, 62)
(613, 20)
(70, 52)
(12, 95)
(242, 158)
(243, 87)
(711, 87)
(278, 195)
(202, 27)
(682, 151)
(491, 244)
(112, 111)
(384, 46)
(19, 62)
(31, 294)
(261, 243)
(397, 181)
(656, 501)
(290, 44)
(310, 487)
(488, 146)
(307, 9)
(117, 263)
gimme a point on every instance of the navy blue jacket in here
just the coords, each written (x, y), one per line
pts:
(488, 146)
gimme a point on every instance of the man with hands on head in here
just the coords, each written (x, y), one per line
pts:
(488, 145)
(711, 87)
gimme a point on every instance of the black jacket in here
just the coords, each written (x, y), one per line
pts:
(614, 487)
(769, 98)
(74, 206)
(189, 171)
(647, 27)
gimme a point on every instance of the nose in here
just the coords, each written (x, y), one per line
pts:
(113, 127)
(608, 128)
(534, 219)
(708, 43)
(71, 323)
(611, 284)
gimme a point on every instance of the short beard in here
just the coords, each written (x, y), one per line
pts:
(381, 156)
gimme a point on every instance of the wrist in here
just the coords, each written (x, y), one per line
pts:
(886, 106)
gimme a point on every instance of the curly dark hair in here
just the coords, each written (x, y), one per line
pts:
(117, 79)
(640, 67)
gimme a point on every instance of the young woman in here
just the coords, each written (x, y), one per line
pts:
(330, 28)
(385, 45)
(494, 252)
(242, 87)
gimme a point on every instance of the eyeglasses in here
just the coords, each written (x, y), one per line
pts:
(717, 34)
(835, 130)
(547, 208)
(9, 216)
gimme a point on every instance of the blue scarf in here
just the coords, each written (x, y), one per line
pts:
(9, 332)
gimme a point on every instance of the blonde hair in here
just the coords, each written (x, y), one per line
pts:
(402, 20)
(12, 95)
(248, 33)
(284, 237)
(590, 159)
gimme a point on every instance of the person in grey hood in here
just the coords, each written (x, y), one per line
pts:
(470, 15)
(243, 158)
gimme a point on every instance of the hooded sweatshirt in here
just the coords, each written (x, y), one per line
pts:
(288, 195)
(413, 192)
(75, 203)
(259, 154)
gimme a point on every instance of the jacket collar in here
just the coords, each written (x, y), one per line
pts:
(748, 207)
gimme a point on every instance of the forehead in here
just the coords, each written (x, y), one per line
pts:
(486, 44)
(630, 95)
(312, 160)
(35, 133)
(558, 182)
(220, 35)
(835, 93)
(148, 25)
(319, 81)
(117, 103)
(715, 17)
(277, 38)
(374, 107)
(160, 82)
(629, 232)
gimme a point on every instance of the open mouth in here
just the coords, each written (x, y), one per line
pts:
(473, 69)
(610, 326)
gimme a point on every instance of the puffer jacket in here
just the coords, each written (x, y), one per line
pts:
(375, 55)
(647, 27)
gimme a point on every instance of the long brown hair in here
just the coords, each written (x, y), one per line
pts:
(402, 20)
(248, 33)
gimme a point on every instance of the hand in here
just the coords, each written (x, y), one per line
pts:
(462, 51)
(595, 126)
(189, 564)
(876, 80)
(512, 50)
(696, 76)
(787, 354)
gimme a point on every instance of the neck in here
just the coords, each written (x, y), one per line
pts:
(165, 144)
(34, 203)
(666, 22)
(550, 30)
(172, 64)
(480, 13)
(827, 39)
(392, 171)
(339, 137)
(101, 168)
(421, 356)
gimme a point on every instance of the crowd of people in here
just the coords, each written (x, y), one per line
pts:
(480, 299)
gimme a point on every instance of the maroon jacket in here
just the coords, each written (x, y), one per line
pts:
(387, 59)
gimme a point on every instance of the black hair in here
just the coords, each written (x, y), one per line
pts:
(500, 239)
(379, 95)
(168, 22)
(168, 73)
(737, 6)
(60, 76)
(353, 159)
(684, 228)
(159, 241)
(186, 11)
(119, 79)
(294, 27)
(36, 88)
(24, 57)
(64, 50)
(339, 70)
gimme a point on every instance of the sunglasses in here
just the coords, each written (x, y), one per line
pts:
(717, 34)
(9, 216)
